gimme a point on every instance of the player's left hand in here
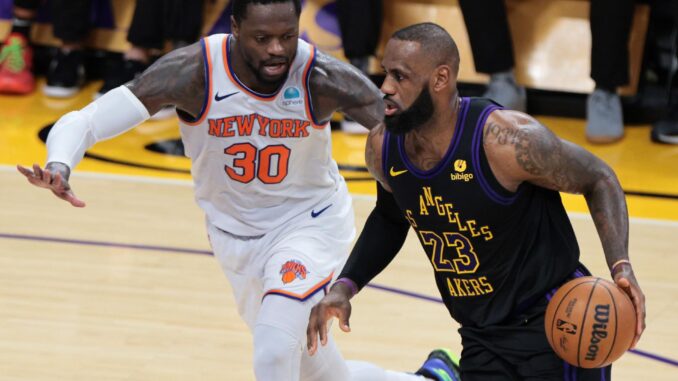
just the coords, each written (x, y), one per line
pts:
(626, 280)
(53, 177)
(335, 304)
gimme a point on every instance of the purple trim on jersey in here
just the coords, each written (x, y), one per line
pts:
(574, 373)
(602, 374)
(230, 68)
(435, 171)
(322, 287)
(566, 371)
(494, 196)
(205, 101)
(308, 89)
(385, 145)
(576, 274)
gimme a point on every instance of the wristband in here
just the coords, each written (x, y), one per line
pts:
(619, 262)
(351, 285)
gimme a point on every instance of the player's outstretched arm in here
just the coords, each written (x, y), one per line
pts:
(175, 79)
(381, 239)
(338, 86)
(520, 149)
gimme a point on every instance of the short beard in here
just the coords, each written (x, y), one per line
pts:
(414, 116)
(258, 72)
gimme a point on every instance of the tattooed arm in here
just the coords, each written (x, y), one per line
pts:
(520, 149)
(176, 79)
(370, 255)
(373, 155)
(337, 86)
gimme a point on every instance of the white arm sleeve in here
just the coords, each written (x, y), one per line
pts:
(112, 114)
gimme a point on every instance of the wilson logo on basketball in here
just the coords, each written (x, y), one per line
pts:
(566, 327)
(292, 270)
(599, 332)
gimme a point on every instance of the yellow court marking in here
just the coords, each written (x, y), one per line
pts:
(641, 165)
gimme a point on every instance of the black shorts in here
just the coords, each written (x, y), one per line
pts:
(518, 350)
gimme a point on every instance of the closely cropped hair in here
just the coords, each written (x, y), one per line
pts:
(240, 7)
(434, 39)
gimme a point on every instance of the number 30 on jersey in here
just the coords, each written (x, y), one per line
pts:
(269, 164)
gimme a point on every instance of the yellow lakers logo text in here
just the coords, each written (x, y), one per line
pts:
(430, 203)
(469, 287)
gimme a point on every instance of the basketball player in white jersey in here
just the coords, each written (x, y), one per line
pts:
(254, 108)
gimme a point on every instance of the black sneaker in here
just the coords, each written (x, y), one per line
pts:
(666, 129)
(66, 74)
(120, 73)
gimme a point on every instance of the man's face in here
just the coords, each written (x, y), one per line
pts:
(267, 38)
(406, 94)
(404, 121)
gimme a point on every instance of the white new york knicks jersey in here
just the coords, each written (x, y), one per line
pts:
(258, 160)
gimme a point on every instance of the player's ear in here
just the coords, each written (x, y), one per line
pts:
(441, 77)
(235, 28)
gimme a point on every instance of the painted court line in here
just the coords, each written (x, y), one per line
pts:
(397, 291)
(356, 196)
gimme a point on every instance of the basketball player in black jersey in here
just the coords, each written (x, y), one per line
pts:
(479, 185)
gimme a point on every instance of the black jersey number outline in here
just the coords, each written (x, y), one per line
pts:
(462, 260)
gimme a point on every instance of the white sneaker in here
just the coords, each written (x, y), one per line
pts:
(604, 117)
(504, 90)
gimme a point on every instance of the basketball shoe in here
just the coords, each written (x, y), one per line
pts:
(16, 61)
(441, 365)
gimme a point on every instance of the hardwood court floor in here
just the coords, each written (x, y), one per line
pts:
(124, 289)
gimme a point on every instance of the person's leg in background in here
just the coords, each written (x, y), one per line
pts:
(145, 33)
(665, 130)
(360, 25)
(184, 18)
(154, 22)
(16, 56)
(490, 38)
(610, 29)
(71, 22)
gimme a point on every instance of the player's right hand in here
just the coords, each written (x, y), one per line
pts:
(334, 304)
(55, 178)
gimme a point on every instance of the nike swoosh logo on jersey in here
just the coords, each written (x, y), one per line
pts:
(218, 98)
(315, 214)
(395, 173)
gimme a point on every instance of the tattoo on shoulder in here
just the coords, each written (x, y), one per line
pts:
(337, 86)
(502, 134)
(178, 78)
(541, 154)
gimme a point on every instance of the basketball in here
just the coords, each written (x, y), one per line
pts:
(590, 322)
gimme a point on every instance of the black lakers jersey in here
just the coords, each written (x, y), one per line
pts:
(494, 252)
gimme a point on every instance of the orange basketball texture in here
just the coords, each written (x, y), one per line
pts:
(590, 322)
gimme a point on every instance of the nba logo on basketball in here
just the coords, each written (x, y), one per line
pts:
(566, 327)
(292, 270)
